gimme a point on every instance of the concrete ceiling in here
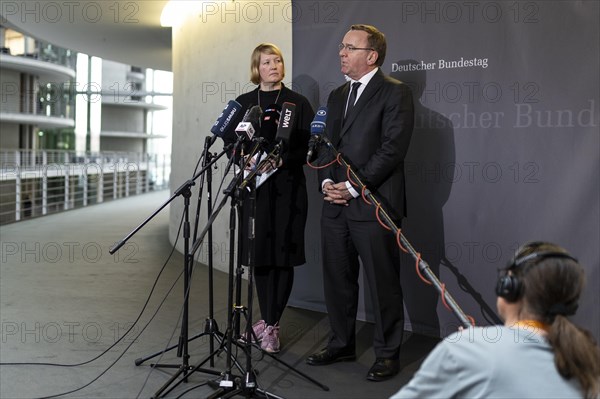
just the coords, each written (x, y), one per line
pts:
(124, 31)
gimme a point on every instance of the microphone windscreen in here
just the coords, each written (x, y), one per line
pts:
(228, 120)
(269, 122)
(253, 115)
(286, 123)
(319, 122)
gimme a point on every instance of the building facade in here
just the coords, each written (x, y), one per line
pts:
(76, 129)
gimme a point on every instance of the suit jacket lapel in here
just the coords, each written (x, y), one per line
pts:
(372, 88)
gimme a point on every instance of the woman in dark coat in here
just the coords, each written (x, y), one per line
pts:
(281, 201)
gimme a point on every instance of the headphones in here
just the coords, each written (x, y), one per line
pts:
(509, 286)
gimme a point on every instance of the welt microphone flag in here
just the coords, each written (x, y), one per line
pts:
(286, 124)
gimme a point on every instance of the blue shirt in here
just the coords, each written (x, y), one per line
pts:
(491, 362)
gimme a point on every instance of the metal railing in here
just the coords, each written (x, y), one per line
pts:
(54, 98)
(38, 183)
(30, 47)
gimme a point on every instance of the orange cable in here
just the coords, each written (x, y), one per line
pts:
(348, 170)
(398, 233)
(443, 295)
(379, 219)
(362, 194)
(399, 241)
(419, 272)
(321, 167)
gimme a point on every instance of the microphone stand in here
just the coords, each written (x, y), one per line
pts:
(226, 344)
(210, 327)
(182, 346)
(250, 183)
(231, 385)
(423, 266)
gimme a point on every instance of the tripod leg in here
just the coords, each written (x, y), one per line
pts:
(266, 394)
(222, 347)
(142, 360)
(166, 385)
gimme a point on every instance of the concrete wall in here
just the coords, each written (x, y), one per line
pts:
(114, 78)
(211, 63)
(10, 81)
(122, 144)
(9, 139)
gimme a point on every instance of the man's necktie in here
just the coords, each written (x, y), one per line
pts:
(352, 98)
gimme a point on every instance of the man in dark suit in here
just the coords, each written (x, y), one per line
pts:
(370, 123)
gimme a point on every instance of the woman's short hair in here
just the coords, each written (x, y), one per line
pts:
(263, 48)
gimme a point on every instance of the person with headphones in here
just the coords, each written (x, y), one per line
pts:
(537, 353)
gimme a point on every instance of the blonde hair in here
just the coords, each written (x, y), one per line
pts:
(263, 48)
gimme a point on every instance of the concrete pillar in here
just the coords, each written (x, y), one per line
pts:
(211, 65)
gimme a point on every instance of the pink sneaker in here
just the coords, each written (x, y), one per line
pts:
(259, 330)
(270, 342)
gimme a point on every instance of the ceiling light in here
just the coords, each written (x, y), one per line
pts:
(175, 11)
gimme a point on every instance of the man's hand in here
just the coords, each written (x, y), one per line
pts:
(336, 193)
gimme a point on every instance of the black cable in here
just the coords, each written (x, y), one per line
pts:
(124, 335)
(127, 331)
(126, 348)
(117, 341)
(185, 298)
(179, 318)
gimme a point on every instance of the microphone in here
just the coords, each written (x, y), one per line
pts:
(269, 122)
(230, 117)
(246, 126)
(286, 124)
(317, 128)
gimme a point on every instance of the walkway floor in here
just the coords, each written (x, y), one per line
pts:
(64, 299)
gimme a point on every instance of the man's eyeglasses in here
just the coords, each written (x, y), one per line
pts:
(350, 48)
